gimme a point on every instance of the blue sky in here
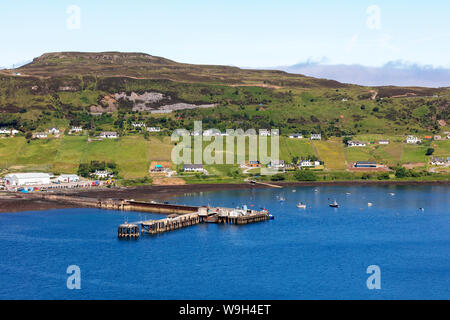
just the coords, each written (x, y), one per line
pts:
(242, 33)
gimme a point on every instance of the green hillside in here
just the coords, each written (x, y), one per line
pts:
(110, 91)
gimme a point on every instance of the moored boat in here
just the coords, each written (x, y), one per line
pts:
(334, 204)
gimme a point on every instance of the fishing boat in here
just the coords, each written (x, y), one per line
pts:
(301, 205)
(334, 204)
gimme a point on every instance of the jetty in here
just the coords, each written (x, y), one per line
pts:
(178, 215)
(265, 184)
(177, 220)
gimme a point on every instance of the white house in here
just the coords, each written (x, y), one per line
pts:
(102, 174)
(383, 141)
(316, 136)
(437, 137)
(26, 179)
(296, 136)
(138, 124)
(435, 161)
(76, 129)
(53, 131)
(40, 135)
(308, 163)
(211, 132)
(109, 134)
(68, 178)
(193, 168)
(9, 131)
(448, 136)
(412, 139)
(354, 143)
(264, 133)
(277, 164)
(153, 129)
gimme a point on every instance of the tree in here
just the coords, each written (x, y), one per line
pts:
(277, 177)
(305, 175)
(401, 172)
(345, 140)
(429, 151)
(383, 176)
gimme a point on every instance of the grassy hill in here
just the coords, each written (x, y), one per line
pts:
(62, 88)
(111, 90)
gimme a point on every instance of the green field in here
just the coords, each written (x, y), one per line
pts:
(332, 153)
(133, 154)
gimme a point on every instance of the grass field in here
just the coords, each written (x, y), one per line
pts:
(414, 153)
(332, 153)
(133, 154)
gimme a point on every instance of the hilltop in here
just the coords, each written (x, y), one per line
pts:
(145, 66)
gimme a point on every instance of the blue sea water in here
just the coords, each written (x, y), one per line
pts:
(317, 253)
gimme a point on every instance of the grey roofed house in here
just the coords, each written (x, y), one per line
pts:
(193, 167)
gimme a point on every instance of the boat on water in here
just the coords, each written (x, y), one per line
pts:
(369, 204)
(301, 205)
(334, 204)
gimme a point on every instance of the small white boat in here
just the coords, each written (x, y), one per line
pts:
(392, 194)
(301, 205)
(334, 204)
(369, 204)
(348, 193)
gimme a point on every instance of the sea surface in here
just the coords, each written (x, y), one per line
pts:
(313, 253)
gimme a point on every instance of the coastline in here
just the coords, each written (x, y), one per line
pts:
(14, 202)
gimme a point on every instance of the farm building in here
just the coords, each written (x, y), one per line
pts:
(383, 141)
(153, 129)
(316, 136)
(277, 164)
(8, 131)
(40, 135)
(264, 133)
(102, 174)
(254, 164)
(53, 131)
(354, 143)
(412, 139)
(296, 136)
(365, 164)
(68, 178)
(308, 163)
(25, 179)
(109, 135)
(193, 168)
(436, 161)
(76, 129)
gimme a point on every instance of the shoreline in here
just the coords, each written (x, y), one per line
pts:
(14, 202)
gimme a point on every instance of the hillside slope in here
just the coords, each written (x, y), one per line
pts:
(103, 91)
